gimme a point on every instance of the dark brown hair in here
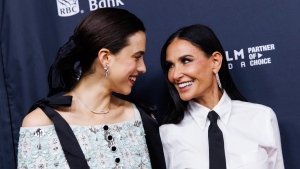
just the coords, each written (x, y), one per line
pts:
(107, 28)
(205, 39)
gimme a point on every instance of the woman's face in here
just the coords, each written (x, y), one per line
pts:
(190, 70)
(127, 64)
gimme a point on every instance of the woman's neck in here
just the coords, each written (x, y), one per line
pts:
(210, 99)
(92, 93)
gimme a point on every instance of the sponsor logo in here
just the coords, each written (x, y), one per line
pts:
(256, 56)
(95, 4)
(68, 8)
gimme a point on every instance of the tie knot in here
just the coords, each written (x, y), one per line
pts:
(213, 116)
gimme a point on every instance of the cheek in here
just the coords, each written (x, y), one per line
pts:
(130, 67)
(200, 67)
(127, 66)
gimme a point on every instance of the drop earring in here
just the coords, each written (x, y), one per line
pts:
(106, 71)
(218, 80)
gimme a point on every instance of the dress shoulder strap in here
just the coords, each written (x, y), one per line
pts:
(152, 136)
(68, 141)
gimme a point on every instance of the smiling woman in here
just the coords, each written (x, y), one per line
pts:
(81, 124)
(208, 123)
(187, 59)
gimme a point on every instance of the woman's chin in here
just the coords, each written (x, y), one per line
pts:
(185, 98)
(125, 92)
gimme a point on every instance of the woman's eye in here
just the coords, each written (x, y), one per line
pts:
(185, 61)
(137, 57)
(169, 65)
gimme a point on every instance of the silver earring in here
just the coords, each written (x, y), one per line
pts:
(106, 71)
(218, 80)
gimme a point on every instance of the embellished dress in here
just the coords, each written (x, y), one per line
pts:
(114, 146)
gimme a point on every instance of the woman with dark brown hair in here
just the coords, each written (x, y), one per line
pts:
(209, 124)
(82, 124)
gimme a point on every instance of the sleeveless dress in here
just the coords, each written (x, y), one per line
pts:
(114, 146)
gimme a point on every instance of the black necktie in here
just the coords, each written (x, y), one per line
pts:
(216, 143)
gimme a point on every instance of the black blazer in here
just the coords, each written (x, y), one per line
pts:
(71, 147)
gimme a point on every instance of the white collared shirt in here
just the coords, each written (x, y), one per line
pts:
(250, 131)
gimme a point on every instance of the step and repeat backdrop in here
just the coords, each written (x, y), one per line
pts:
(261, 39)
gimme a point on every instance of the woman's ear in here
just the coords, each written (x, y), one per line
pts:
(103, 56)
(217, 61)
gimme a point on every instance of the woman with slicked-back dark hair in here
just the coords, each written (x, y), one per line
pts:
(208, 124)
(81, 124)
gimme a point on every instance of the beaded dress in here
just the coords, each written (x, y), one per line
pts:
(114, 146)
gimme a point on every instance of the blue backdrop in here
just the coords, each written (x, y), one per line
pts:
(261, 38)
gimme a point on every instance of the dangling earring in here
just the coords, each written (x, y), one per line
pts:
(218, 80)
(106, 71)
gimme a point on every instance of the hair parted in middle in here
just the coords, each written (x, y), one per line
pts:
(202, 37)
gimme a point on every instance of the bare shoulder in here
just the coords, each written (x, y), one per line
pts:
(36, 118)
